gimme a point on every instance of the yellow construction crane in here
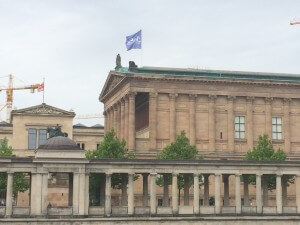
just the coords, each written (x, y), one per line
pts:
(9, 94)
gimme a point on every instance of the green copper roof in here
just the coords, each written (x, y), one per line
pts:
(241, 75)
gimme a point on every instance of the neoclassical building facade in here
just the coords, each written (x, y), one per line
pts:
(222, 112)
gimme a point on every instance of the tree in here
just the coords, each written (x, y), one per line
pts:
(20, 183)
(264, 151)
(110, 148)
(180, 149)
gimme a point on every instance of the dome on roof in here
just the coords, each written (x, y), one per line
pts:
(60, 143)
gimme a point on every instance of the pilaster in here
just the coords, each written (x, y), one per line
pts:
(286, 125)
(268, 115)
(131, 122)
(230, 123)
(211, 122)
(249, 120)
(192, 125)
(172, 129)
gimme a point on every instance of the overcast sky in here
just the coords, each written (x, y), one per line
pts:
(73, 43)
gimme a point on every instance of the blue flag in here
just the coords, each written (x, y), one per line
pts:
(134, 41)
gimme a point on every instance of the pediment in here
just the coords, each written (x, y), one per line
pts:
(112, 81)
(43, 109)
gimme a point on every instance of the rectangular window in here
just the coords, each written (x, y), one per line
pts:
(31, 138)
(82, 146)
(239, 127)
(42, 136)
(276, 128)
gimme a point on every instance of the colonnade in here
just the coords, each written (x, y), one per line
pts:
(121, 117)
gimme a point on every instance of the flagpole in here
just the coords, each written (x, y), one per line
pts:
(44, 90)
(141, 49)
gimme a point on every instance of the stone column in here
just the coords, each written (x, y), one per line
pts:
(105, 121)
(286, 125)
(175, 206)
(268, 114)
(130, 194)
(122, 133)
(284, 190)
(238, 203)
(297, 178)
(258, 194)
(172, 128)
(9, 195)
(152, 120)
(226, 189)
(278, 194)
(75, 193)
(153, 193)
(186, 189)
(108, 195)
(230, 124)
(145, 189)
(249, 124)
(217, 194)
(192, 99)
(206, 189)
(131, 122)
(246, 190)
(211, 122)
(126, 115)
(166, 190)
(44, 193)
(265, 190)
(116, 119)
(36, 194)
(196, 194)
(119, 120)
(87, 194)
(81, 194)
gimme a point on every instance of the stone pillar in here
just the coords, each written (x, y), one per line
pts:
(249, 124)
(286, 126)
(124, 181)
(9, 195)
(217, 194)
(87, 194)
(108, 195)
(238, 203)
(81, 194)
(145, 189)
(75, 193)
(226, 189)
(44, 193)
(297, 178)
(153, 193)
(126, 115)
(186, 189)
(175, 206)
(36, 194)
(130, 194)
(172, 128)
(284, 190)
(246, 190)
(166, 190)
(119, 120)
(192, 125)
(122, 136)
(211, 123)
(265, 190)
(105, 121)
(278, 194)
(206, 189)
(131, 122)
(116, 119)
(230, 124)
(258, 194)
(268, 115)
(152, 120)
(196, 194)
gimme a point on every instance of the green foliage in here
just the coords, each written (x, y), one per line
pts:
(264, 151)
(182, 150)
(20, 183)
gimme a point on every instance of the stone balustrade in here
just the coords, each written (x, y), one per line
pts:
(82, 168)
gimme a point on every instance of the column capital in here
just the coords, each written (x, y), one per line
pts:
(250, 99)
(238, 175)
(217, 174)
(196, 174)
(153, 94)
(192, 97)
(211, 98)
(258, 175)
(175, 174)
(231, 97)
(132, 95)
(115, 106)
(105, 113)
(9, 172)
(173, 96)
(268, 100)
(278, 175)
(153, 174)
(108, 173)
(287, 101)
(122, 100)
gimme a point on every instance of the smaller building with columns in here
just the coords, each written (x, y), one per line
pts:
(222, 112)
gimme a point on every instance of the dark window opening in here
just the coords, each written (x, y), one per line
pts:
(32, 138)
(141, 111)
